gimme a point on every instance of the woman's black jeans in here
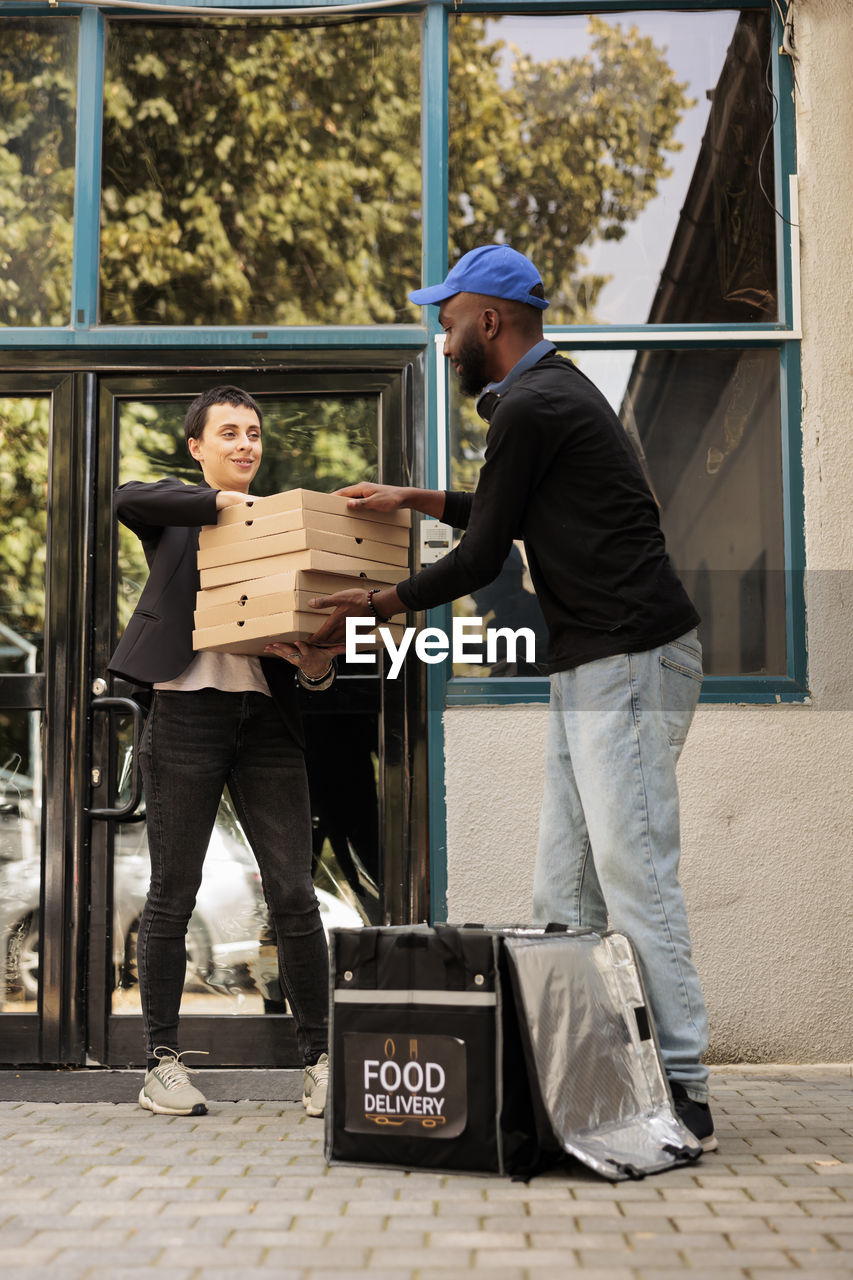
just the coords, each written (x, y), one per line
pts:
(194, 744)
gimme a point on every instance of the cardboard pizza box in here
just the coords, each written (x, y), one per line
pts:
(302, 540)
(239, 593)
(254, 527)
(308, 500)
(246, 571)
(252, 635)
(295, 601)
(253, 600)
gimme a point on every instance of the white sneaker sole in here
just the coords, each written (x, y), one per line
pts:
(199, 1109)
(710, 1143)
(311, 1110)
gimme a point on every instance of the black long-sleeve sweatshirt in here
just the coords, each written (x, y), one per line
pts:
(561, 474)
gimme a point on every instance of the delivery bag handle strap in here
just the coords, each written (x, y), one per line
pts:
(402, 961)
(450, 940)
(362, 958)
(457, 958)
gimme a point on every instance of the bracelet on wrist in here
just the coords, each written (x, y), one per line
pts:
(372, 607)
(316, 682)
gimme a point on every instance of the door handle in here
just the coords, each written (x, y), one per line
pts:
(129, 707)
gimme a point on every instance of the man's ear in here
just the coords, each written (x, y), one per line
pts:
(490, 320)
(193, 446)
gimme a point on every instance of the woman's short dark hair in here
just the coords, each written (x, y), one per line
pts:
(196, 415)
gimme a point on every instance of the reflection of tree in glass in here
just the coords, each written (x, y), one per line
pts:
(269, 174)
(570, 153)
(318, 443)
(467, 442)
(38, 75)
(309, 442)
(24, 425)
(255, 173)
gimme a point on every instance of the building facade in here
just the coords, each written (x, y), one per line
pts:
(204, 194)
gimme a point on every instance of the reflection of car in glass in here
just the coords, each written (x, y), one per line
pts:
(226, 927)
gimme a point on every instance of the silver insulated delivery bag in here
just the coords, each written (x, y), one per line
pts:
(495, 1050)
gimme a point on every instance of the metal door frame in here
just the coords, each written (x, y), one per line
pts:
(74, 1024)
(55, 1033)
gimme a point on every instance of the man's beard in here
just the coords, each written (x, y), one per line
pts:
(471, 358)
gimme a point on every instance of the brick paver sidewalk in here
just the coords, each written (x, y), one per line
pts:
(109, 1191)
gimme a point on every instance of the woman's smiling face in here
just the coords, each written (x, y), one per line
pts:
(229, 449)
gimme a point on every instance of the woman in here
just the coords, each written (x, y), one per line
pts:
(217, 719)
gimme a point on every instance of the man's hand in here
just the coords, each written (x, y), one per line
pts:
(374, 497)
(369, 497)
(346, 604)
(354, 604)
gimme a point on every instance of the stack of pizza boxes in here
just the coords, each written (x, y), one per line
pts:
(264, 560)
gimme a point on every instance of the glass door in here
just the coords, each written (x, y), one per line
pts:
(321, 430)
(44, 588)
(25, 436)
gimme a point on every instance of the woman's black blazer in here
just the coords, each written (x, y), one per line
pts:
(157, 643)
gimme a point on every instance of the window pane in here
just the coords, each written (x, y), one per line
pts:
(627, 154)
(261, 174)
(706, 424)
(38, 104)
(709, 426)
(24, 429)
(20, 858)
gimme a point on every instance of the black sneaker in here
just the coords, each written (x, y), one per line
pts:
(695, 1116)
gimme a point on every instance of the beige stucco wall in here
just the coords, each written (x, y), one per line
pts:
(767, 792)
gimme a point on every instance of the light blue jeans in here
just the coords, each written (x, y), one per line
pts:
(609, 840)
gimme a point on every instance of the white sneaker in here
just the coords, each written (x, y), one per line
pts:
(167, 1090)
(315, 1085)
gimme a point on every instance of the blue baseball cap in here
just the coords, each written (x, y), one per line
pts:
(493, 269)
